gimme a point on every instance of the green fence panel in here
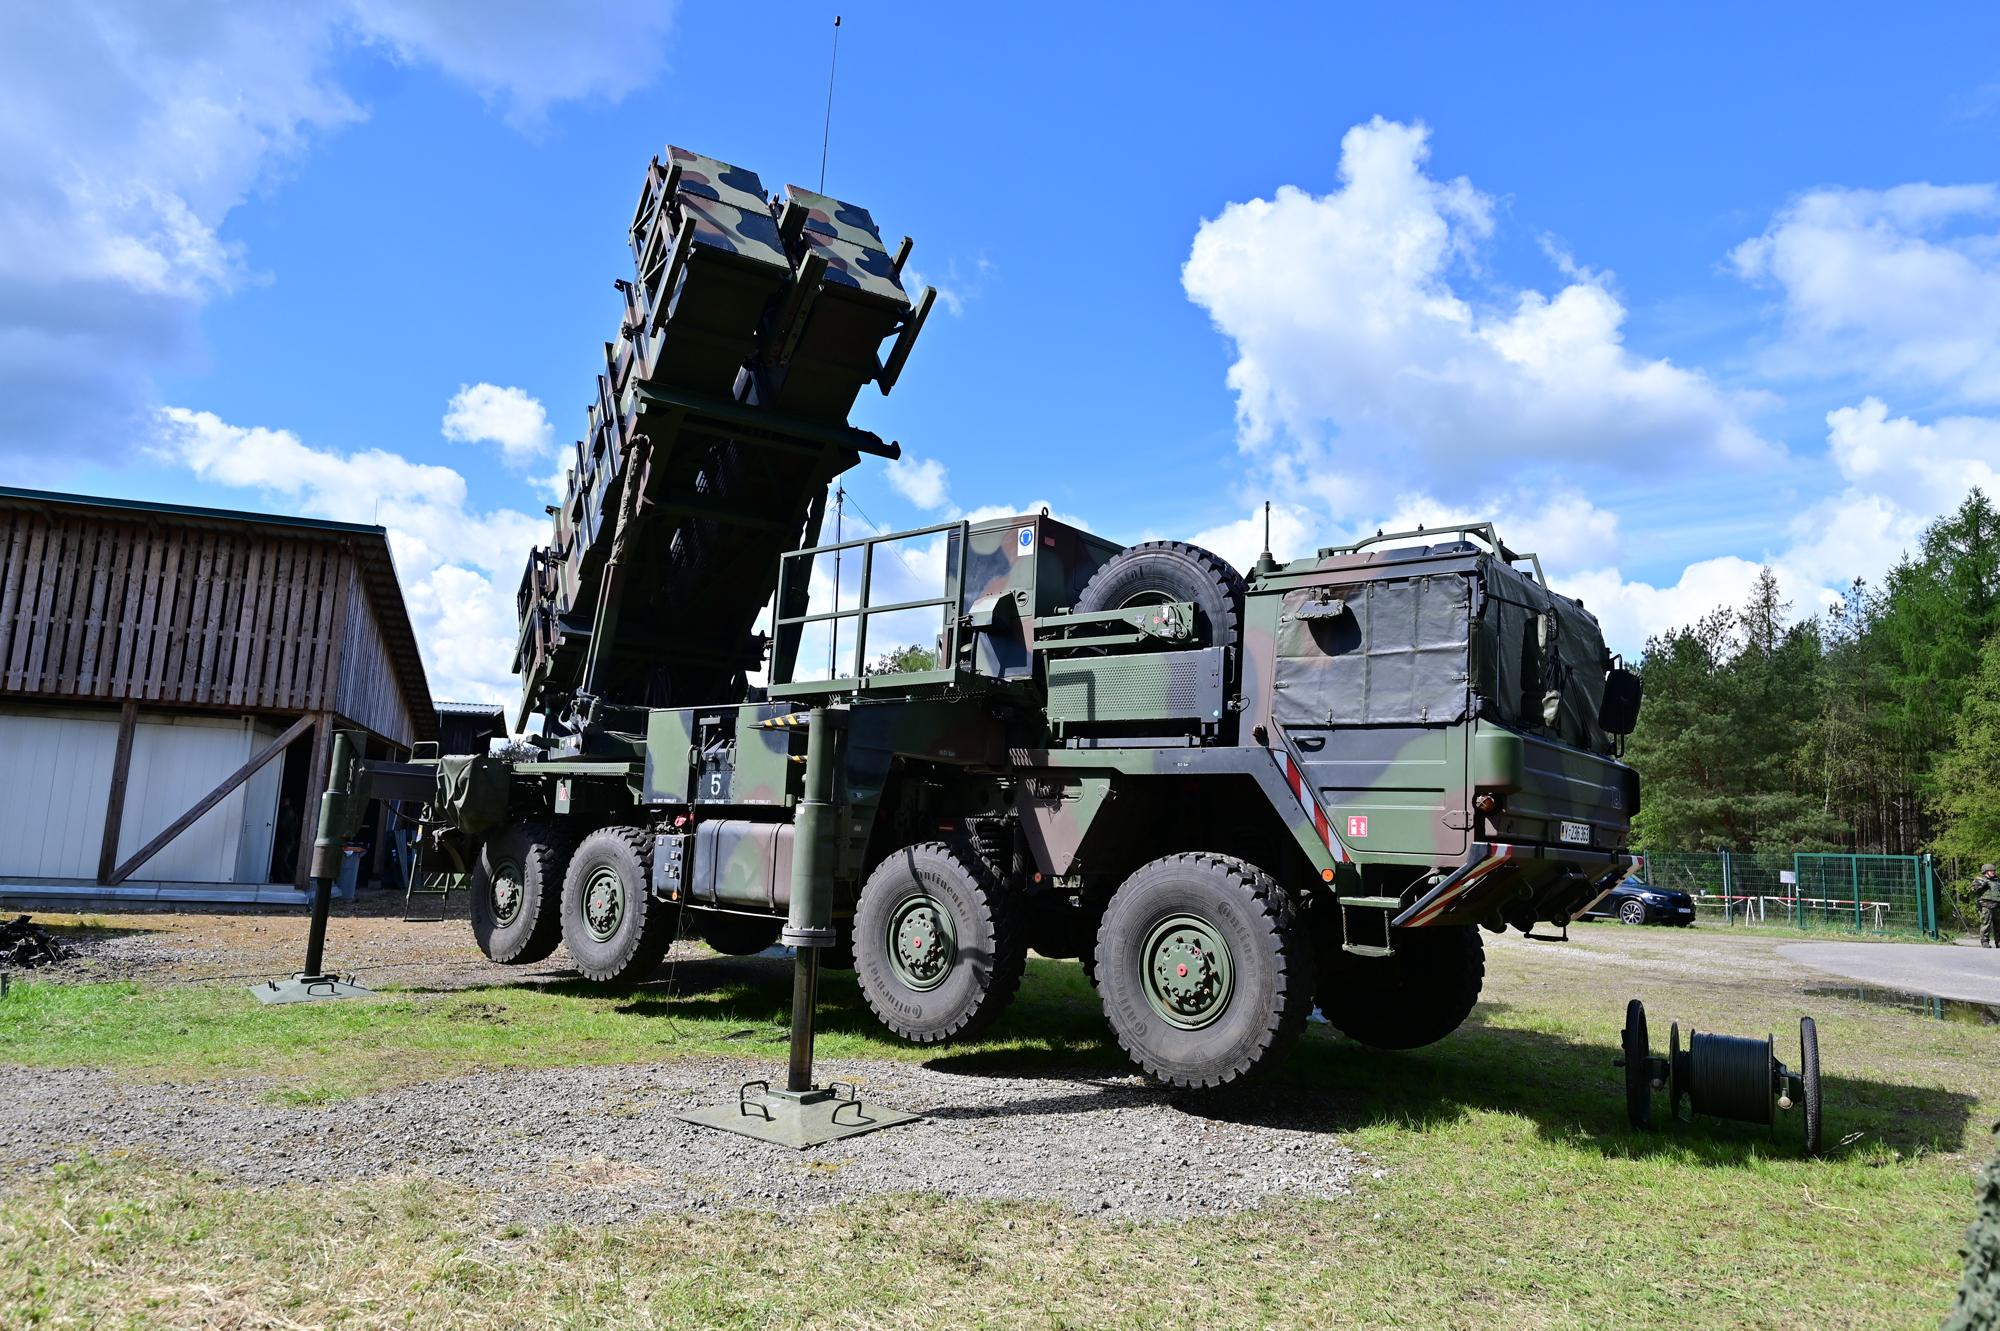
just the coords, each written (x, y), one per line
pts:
(1880, 894)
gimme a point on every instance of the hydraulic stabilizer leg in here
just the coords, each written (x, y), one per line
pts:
(804, 1114)
(340, 810)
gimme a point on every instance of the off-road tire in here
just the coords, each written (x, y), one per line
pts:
(1414, 998)
(1636, 1050)
(1809, 1074)
(1268, 951)
(990, 948)
(737, 935)
(1172, 571)
(645, 929)
(540, 855)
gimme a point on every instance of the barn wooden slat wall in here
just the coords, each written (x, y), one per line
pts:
(110, 606)
(368, 690)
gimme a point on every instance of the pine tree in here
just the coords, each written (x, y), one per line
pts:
(1966, 781)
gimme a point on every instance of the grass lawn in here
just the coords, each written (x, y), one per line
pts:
(1512, 1194)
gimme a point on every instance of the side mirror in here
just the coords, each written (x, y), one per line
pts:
(1619, 712)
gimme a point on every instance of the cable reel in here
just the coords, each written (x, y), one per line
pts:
(1721, 1076)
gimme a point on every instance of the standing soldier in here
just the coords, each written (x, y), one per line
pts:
(1989, 904)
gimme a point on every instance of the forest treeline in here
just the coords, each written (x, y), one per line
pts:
(1873, 726)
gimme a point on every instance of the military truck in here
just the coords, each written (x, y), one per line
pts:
(1231, 799)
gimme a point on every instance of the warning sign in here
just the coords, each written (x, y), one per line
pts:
(1357, 825)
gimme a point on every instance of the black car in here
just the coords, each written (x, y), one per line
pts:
(1636, 902)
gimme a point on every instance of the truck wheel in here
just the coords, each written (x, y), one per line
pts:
(517, 891)
(1416, 997)
(738, 935)
(611, 926)
(1204, 968)
(1159, 571)
(938, 947)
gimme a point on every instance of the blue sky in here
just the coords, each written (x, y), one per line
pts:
(1667, 294)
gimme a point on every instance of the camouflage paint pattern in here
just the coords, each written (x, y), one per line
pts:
(748, 326)
(1419, 724)
(1362, 788)
(1037, 563)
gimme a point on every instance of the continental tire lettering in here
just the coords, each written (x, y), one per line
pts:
(983, 917)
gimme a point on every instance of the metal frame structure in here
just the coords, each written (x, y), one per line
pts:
(782, 684)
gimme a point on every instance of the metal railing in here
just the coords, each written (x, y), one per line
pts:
(950, 602)
(1805, 890)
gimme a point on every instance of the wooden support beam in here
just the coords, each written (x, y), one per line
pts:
(114, 806)
(322, 754)
(209, 801)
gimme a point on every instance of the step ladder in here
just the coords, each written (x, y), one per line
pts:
(424, 884)
(1384, 908)
(431, 887)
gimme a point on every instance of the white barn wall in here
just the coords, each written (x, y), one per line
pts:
(55, 775)
(56, 779)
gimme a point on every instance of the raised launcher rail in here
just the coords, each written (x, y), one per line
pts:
(750, 326)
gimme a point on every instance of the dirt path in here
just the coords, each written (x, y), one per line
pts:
(1970, 975)
(372, 941)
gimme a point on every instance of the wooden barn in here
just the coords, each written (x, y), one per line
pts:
(170, 680)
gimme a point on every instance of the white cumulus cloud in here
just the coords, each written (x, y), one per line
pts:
(130, 129)
(1901, 282)
(922, 481)
(509, 417)
(525, 55)
(1360, 365)
(458, 566)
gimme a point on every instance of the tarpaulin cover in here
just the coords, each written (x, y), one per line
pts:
(1430, 649)
(1532, 644)
(473, 789)
(1394, 653)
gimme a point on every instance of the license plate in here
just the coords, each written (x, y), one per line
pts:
(1576, 834)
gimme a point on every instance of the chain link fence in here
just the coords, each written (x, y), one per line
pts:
(1880, 894)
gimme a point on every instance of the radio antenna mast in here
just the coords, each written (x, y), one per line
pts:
(826, 131)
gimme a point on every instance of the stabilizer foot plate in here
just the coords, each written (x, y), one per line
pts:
(308, 989)
(798, 1119)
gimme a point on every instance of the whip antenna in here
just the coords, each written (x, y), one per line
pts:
(826, 130)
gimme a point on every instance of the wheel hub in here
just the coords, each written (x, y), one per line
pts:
(603, 903)
(921, 945)
(1187, 971)
(505, 893)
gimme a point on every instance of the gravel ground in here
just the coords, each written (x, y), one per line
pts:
(368, 938)
(598, 1145)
